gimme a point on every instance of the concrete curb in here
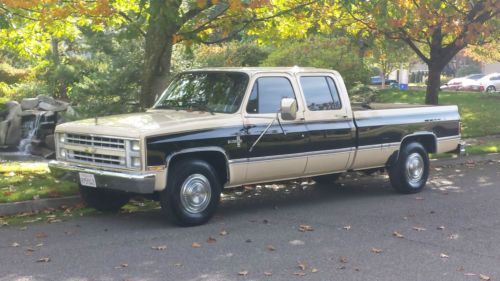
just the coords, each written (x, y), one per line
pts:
(7, 209)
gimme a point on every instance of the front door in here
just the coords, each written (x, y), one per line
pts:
(279, 153)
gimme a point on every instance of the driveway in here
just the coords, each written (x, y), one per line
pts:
(356, 229)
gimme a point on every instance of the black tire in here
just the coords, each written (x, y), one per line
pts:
(409, 172)
(186, 174)
(491, 89)
(327, 179)
(104, 200)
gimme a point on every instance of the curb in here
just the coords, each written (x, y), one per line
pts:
(465, 159)
(7, 209)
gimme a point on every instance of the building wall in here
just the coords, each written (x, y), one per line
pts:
(491, 67)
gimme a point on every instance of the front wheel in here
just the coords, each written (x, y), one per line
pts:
(192, 193)
(409, 172)
(104, 200)
(490, 89)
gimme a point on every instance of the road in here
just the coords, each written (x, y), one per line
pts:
(450, 231)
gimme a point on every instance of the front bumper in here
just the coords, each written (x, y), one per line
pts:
(135, 182)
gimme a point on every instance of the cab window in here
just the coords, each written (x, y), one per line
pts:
(320, 93)
(267, 93)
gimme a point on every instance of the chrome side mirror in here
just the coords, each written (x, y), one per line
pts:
(288, 109)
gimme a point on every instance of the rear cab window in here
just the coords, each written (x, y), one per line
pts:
(320, 93)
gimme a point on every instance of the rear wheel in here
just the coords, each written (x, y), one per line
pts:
(104, 200)
(490, 89)
(192, 193)
(409, 172)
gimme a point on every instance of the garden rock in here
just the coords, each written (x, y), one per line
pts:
(29, 103)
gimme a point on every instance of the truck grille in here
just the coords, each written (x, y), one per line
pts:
(95, 141)
(96, 158)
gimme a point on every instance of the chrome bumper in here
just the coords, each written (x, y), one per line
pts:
(125, 181)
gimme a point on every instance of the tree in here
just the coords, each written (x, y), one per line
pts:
(435, 30)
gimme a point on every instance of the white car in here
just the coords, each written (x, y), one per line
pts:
(471, 83)
(456, 83)
(490, 83)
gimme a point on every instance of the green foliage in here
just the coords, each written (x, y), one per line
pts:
(468, 69)
(231, 54)
(478, 112)
(361, 93)
(10, 74)
(325, 53)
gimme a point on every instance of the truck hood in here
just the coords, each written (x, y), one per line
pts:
(153, 122)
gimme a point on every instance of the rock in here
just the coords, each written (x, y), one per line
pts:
(50, 142)
(29, 103)
(56, 106)
(10, 128)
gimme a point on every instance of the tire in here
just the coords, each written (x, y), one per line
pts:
(185, 176)
(104, 200)
(327, 179)
(491, 89)
(409, 172)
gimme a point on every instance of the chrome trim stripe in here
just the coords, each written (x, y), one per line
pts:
(457, 137)
(292, 155)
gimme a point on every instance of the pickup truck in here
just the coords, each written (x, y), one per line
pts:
(224, 127)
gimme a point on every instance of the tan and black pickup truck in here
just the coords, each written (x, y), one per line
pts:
(224, 127)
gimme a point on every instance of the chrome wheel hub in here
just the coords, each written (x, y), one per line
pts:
(414, 168)
(195, 193)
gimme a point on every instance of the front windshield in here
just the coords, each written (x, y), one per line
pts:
(205, 91)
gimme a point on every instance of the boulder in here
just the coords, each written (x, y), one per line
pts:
(29, 103)
(10, 128)
(50, 142)
(50, 104)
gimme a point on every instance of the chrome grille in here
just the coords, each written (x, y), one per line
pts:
(95, 141)
(96, 158)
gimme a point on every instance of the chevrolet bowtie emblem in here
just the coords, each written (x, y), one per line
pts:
(89, 150)
(237, 141)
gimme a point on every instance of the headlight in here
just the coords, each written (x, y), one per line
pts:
(135, 145)
(136, 162)
(62, 138)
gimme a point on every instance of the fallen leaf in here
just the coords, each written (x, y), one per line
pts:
(419, 198)
(195, 245)
(41, 235)
(223, 233)
(441, 227)
(30, 249)
(39, 245)
(302, 265)
(376, 250)
(470, 274)
(178, 264)
(347, 227)
(300, 273)
(343, 259)
(159, 248)
(44, 259)
(417, 228)
(211, 240)
(314, 270)
(484, 277)
(124, 265)
(297, 242)
(453, 236)
(15, 244)
(23, 228)
(398, 235)
(341, 267)
(444, 256)
(304, 228)
(243, 273)
(268, 273)
(271, 248)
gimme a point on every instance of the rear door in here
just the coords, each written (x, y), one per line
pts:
(329, 123)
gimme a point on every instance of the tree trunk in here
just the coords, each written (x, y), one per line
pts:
(163, 25)
(433, 84)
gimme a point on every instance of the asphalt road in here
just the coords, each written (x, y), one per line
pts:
(450, 231)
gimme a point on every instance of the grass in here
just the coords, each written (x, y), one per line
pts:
(479, 111)
(21, 181)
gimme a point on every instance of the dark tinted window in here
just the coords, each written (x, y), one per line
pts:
(205, 91)
(267, 93)
(320, 93)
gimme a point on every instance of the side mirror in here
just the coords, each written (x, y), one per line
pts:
(288, 109)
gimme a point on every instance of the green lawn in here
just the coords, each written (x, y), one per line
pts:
(20, 181)
(480, 112)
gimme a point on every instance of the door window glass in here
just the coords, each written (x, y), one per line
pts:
(320, 93)
(267, 93)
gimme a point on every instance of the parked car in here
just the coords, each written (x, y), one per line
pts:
(456, 83)
(471, 83)
(377, 80)
(225, 127)
(489, 83)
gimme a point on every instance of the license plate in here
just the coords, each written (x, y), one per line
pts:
(87, 180)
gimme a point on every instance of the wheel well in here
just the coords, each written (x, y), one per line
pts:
(428, 141)
(216, 159)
